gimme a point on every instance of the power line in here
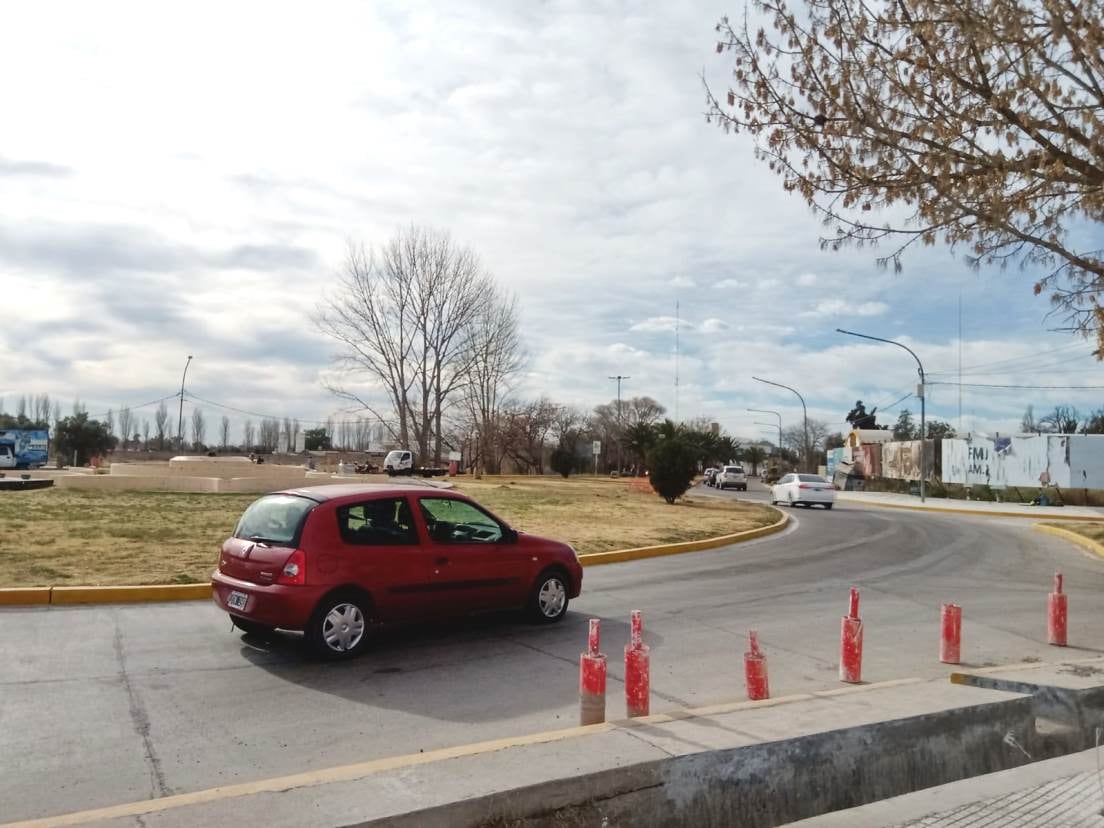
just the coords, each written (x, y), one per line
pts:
(171, 396)
(206, 401)
(1008, 360)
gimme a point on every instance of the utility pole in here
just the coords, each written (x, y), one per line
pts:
(804, 414)
(920, 392)
(620, 422)
(180, 420)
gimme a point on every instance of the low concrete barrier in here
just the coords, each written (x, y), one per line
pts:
(765, 784)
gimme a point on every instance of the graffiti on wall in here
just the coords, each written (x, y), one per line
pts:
(1031, 460)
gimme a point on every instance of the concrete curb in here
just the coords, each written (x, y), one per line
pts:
(1087, 544)
(621, 555)
(103, 595)
(975, 512)
(28, 596)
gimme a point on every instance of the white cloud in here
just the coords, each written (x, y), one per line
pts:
(683, 282)
(807, 279)
(714, 325)
(841, 307)
(768, 284)
(730, 284)
(658, 324)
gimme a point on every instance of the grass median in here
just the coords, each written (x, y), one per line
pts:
(77, 537)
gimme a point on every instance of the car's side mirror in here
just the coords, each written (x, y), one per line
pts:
(509, 535)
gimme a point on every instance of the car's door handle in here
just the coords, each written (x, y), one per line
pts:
(440, 561)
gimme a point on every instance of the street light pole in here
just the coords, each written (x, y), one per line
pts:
(922, 395)
(620, 423)
(804, 414)
(180, 420)
(779, 416)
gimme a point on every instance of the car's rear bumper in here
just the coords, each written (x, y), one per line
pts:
(276, 605)
(815, 496)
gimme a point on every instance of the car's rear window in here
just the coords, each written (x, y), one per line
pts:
(274, 519)
(811, 478)
(734, 469)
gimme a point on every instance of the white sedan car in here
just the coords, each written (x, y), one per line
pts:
(805, 489)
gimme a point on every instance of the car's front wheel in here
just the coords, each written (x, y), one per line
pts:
(339, 627)
(548, 600)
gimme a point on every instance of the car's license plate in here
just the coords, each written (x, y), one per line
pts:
(237, 600)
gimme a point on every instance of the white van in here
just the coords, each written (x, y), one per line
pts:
(398, 462)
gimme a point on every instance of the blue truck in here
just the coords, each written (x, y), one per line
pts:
(24, 448)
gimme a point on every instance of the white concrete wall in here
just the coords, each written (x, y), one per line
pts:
(1022, 461)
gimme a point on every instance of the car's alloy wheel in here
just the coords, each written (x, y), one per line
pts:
(549, 599)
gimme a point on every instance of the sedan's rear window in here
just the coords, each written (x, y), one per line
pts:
(274, 519)
(811, 478)
(733, 470)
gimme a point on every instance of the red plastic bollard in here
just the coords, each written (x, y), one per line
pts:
(755, 669)
(637, 667)
(851, 643)
(1057, 608)
(592, 679)
(950, 639)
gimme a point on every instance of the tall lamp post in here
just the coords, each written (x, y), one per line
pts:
(620, 425)
(804, 414)
(180, 420)
(920, 394)
(779, 416)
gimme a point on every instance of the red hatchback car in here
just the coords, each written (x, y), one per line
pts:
(330, 560)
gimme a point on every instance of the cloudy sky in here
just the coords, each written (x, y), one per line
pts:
(186, 182)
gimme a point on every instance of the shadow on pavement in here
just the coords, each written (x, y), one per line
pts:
(452, 670)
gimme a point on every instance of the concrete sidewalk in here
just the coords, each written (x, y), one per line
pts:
(978, 507)
(1055, 793)
(786, 758)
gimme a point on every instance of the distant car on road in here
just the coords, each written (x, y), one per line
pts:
(710, 474)
(332, 560)
(731, 477)
(804, 490)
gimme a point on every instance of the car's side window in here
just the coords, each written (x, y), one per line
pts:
(457, 521)
(787, 479)
(384, 522)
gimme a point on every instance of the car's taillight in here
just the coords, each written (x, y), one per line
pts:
(294, 572)
(806, 486)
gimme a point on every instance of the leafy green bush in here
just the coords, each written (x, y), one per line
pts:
(672, 463)
(562, 461)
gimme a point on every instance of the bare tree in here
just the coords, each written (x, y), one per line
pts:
(494, 358)
(977, 122)
(1064, 419)
(110, 420)
(294, 437)
(401, 317)
(42, 408)
(145, 433)
(21, 408)
(199, 428)
(224, 432)
(126, 421)
(525, 432)
(247, 436)
(161, 423)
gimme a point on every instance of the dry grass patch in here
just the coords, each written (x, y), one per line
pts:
(600, 515)
(68, 537)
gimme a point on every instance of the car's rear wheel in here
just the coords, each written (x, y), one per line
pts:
(548, 600)
(827, 505)
(339, 627)
(252, 627)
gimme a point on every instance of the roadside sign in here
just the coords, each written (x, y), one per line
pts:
(454, 456)
(596, 448)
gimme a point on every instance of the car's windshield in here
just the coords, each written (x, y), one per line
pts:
(274, 519)
(811, 478)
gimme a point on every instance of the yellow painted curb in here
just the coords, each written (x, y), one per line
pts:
(16, 596)
(1085, 543)
(621, 555)
(975, 512)
(361, 770)
(129, 594)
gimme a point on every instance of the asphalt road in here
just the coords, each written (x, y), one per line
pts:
(101, 705)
